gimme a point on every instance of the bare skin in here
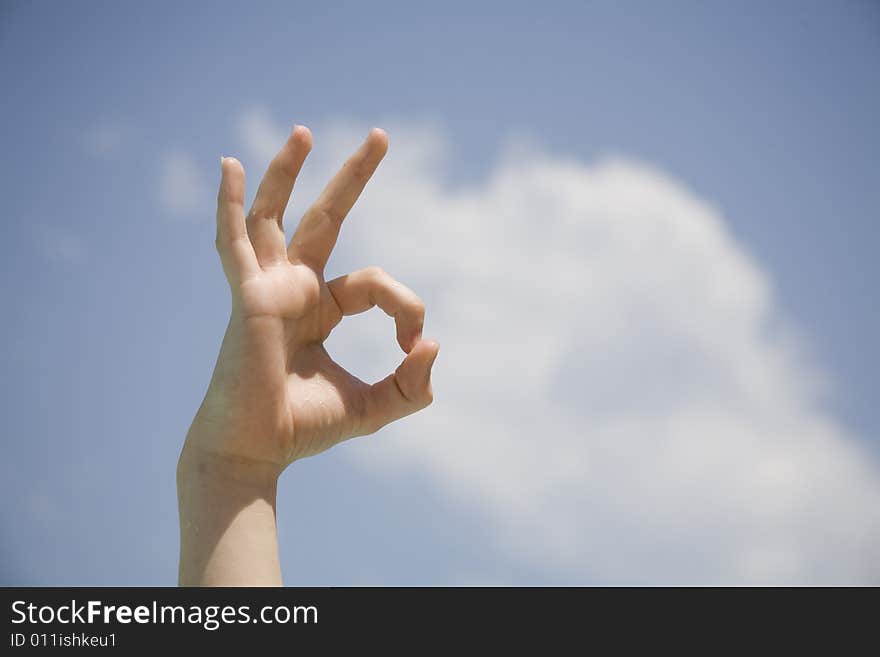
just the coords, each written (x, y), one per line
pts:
(276, 395)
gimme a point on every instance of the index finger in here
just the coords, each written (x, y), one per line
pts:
(316, 234)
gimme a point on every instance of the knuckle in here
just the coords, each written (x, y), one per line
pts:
(283, 163)
(328, 214)
(360, 171)
(229, 197)
(264, 213)
(223, 243)
(376, 274)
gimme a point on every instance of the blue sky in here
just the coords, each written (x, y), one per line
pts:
(114, 305)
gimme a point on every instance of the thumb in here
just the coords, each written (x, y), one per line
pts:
(405, 391)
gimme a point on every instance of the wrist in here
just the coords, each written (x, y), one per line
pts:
(228, 534)
(198, 465)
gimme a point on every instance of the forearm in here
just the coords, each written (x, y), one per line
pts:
(228, 534)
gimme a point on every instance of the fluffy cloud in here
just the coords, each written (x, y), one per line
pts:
(616, 394)
(183, 190)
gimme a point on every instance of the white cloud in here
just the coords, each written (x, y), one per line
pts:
(615, 395)
(183, 190)
(261, 134)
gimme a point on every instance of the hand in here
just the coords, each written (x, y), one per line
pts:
(276, 395)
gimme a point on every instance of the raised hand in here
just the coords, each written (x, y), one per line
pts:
(276, 395)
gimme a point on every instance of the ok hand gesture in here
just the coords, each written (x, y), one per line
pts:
(276, 395)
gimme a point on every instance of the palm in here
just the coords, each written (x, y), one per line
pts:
(322, 400)
(276, 394)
